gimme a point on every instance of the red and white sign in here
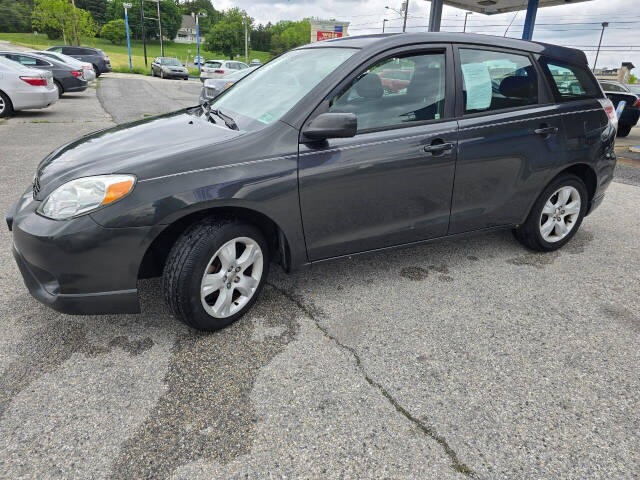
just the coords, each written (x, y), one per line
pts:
(324, 35)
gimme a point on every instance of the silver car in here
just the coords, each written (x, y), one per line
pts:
(88, 73)
(23, 88)
(215, 86)
(220, 68)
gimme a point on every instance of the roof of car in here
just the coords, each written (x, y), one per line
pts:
(382, 41)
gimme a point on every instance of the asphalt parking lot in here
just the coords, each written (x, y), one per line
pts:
(468, 358)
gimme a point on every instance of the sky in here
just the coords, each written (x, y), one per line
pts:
(576, 25)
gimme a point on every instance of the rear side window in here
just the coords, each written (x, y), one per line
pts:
(570, 82)
(213, 64)
(497, 80)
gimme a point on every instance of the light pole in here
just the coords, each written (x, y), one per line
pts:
(196, 15)
(595, 62)
(126, 23)
(406, 11)
(464, 29)
(157, 2)
(246, 41)
(383, 24)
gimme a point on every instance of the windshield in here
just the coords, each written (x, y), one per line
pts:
(273, 89)
(171, 61)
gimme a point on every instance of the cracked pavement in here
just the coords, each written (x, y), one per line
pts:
(466, 358)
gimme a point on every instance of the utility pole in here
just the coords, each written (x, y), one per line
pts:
(406, 11)
(196, 15)
(464, 29)
(75, 23)
(126, 23)
(383, 24)
(246, 42)
(595, 62)
(144, 39)
(160, 29)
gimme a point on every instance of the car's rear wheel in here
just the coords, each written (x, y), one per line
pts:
(59, 88)
(624, 130)
(6, 107)
(97, 70)
(555, 216)
(214, 272)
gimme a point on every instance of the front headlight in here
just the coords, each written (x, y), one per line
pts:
(84, 195)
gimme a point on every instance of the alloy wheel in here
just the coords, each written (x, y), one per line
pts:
(3, 105)
(231, 277)
(560, 214)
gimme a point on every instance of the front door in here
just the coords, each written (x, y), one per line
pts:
(390, 184)
(511, 135)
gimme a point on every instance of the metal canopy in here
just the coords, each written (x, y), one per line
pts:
(492, 7)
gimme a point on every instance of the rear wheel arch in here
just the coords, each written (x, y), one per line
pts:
(156, 254)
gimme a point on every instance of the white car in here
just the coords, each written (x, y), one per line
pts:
(23, 88)
(88, 73)
(220, 68)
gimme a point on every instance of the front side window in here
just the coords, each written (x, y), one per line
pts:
(395, 92)
(570, 82)
(272, 90)
(496, 80)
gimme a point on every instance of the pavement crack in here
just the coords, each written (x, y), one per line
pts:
(431, 432)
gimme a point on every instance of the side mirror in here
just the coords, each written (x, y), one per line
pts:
(332, 125)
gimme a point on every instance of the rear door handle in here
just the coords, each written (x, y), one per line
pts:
(438, 148)
(545, 131)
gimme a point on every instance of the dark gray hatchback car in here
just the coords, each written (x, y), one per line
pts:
(95, 56)
(312, 158)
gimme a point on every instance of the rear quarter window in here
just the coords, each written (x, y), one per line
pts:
(570, 82)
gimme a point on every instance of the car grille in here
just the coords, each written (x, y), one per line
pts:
(36, 186)
(210, 92)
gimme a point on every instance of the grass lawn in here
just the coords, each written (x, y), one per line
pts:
(118, 53)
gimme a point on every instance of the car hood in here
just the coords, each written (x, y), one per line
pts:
(135, 148)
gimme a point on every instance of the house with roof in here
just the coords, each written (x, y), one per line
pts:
(187, 31)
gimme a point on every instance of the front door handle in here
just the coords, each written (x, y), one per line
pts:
(438, 148)
(546, 131)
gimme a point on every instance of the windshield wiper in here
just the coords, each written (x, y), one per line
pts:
(228, 121)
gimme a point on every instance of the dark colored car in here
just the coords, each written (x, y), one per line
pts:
(618, 92)
(65, 77)
(168, 67)
(95, 56)
(308, 159)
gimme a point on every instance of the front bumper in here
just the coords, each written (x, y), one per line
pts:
(77, 266)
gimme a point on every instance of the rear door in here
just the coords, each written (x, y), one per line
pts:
(511, 135)
(391, 183)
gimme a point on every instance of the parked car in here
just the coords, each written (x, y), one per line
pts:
(617, 92)
(198, 59)
(255, 63)
(23, 88)
(168, 67)
(220, 68)
(208, 197)
(635, 88)
(65, 77)
(215, 86)
(94, 56)
(88, 72)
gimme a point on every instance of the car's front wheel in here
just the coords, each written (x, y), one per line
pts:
(59, 88)
(624, 130)
(215, 272)
(556, 215)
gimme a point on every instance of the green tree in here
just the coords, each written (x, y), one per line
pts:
(169, 13)
(115, 31)
(632, 79)
(16, 15)
(227, 35)
(58, 16)
(97, 9)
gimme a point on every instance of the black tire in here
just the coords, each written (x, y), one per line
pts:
(162, 74)
(186, 264)
(529, 232)
(59, 87)
(97, 70)
(7, 106)
(623, 130)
